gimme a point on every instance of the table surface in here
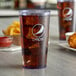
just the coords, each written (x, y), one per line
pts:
(60, 62)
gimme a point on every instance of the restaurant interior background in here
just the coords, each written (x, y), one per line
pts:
(9, 12)
(18, 4)
(61, 59)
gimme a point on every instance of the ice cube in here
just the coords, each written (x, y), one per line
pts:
(30, 34)
(36, 45)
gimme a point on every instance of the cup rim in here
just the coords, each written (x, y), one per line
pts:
(42, 12)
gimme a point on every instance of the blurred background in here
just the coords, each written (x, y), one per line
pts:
(19, 4)
(9, 11)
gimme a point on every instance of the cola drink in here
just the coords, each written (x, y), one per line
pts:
(34, 37)
(66, 14)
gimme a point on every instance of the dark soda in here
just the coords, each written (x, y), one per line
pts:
(66, 12)
(34, 38)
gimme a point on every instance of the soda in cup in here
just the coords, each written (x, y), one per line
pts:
(66, 13)
(34, 37)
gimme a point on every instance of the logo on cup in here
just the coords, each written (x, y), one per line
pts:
(67, 13)
(38, 30)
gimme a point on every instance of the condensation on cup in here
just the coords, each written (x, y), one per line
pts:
(66, 17)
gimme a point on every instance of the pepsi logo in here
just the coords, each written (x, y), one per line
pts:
(67, 12)
(38, 30)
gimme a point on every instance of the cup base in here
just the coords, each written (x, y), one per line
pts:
(30, 67)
